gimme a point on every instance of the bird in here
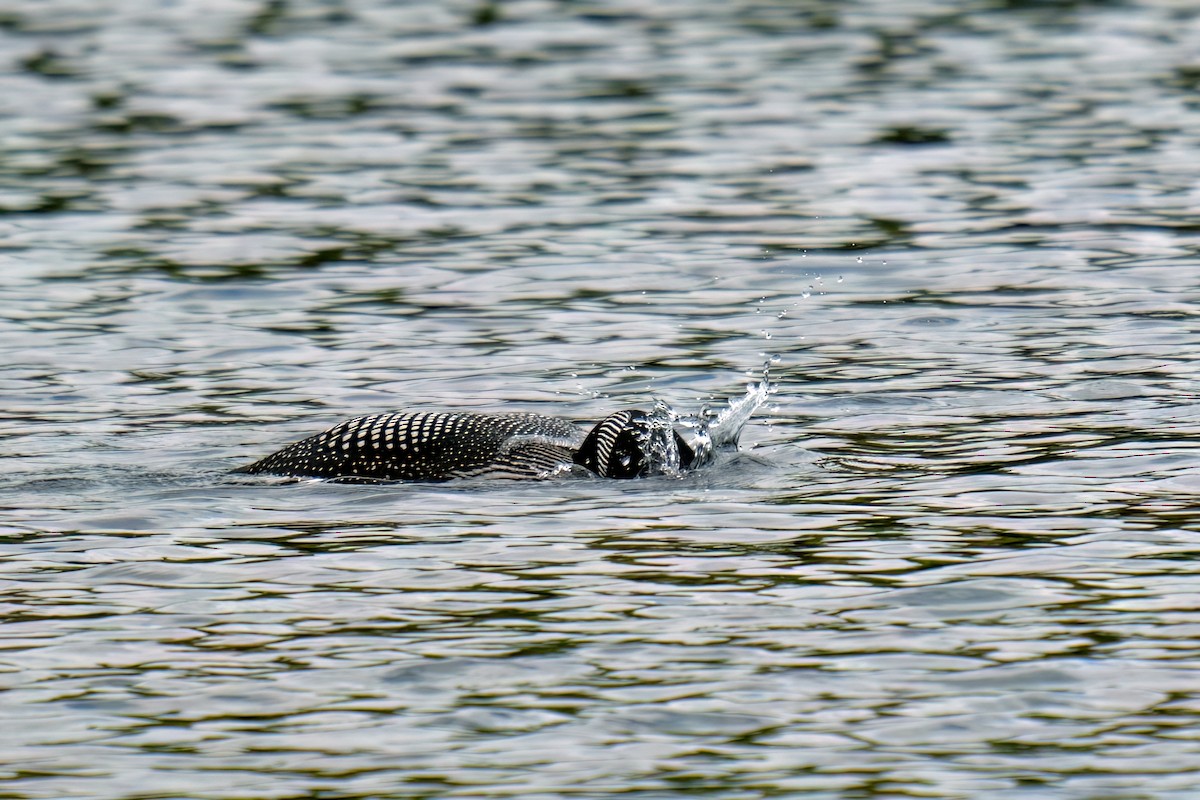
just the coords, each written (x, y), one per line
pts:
(436, 446)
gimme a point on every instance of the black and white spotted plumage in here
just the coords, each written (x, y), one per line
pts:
(441, 446)
(429, 446)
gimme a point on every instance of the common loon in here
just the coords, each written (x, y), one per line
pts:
(441, 446)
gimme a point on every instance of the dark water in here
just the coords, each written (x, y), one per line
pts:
(957, 557)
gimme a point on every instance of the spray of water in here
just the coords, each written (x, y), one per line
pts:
(708, 432)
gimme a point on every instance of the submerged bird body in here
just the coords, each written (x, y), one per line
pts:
(428, 446)
(441, 446)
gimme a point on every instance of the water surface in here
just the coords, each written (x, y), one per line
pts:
(955, 558)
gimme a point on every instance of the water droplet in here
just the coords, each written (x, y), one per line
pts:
(843, 277)
(766, 334)
(859, 260)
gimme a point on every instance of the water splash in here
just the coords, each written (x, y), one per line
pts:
(658, 441)
(708, 431)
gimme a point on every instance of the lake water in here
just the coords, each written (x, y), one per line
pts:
(956, 557)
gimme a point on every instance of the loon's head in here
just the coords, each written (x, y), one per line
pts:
(613, 448)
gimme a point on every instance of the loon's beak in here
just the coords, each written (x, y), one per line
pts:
(686, 454)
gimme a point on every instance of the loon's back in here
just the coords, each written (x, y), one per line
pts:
(429, 446)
